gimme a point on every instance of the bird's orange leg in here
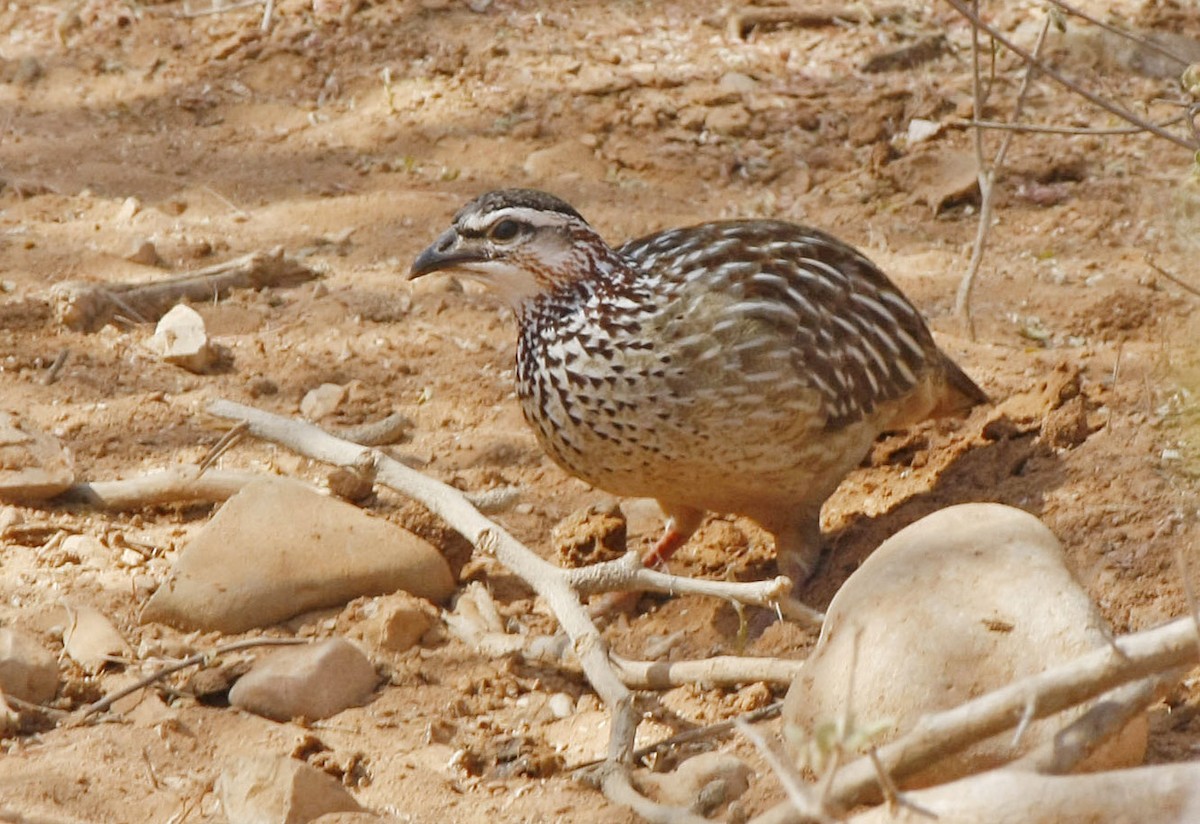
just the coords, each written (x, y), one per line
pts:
(681, 524)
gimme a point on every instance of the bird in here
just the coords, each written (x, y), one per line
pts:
(741, 367)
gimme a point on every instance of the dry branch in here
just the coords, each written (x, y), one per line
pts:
(1130, 658)
(741, 23)
(86, 307)
(550, 582)
(174, 485)
(475, 622)
(1120, 111)
(449, 504)
(200, 658)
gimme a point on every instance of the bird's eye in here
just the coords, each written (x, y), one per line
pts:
(504, 230)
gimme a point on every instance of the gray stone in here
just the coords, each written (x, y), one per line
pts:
(277, 549)
(311, 682)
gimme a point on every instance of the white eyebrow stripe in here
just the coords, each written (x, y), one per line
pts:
(522, 214)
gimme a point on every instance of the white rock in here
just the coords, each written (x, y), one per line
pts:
(964, 601)
(322, 401)
(270, 789)
(277, 549)
(920, 130)
(91, 640)
(34, 465)
(312, 682)
(180, 338)
(27, 671)
(561, 705)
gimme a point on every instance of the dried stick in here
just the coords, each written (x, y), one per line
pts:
(741, 23)
(1043, 128)
(191, 661)
(1075, 742)
(475, 621)
(1120, 32)
(1130, 658)
(87, 307)
(800, 795)
(1121, 112)
(987, 174)
(627, 573)
(174, 485)
(449, 504)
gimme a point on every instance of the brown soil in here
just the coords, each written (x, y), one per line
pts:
(122, 123)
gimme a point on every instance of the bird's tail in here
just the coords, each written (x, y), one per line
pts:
(962, 393)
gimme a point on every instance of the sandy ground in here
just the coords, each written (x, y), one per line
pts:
(349, 135)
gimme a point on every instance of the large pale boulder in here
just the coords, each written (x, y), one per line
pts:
(277, 549)
(964, 601)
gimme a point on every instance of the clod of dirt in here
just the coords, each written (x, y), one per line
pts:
(34, 466)
(395, 622)
(963, 601)
(91, 640)
(180, 338)
(277, 549)
(937, 178)
(590, 535)
(267, 789)
(27, 671)
(313, 682)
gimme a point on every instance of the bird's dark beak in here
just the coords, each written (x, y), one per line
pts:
(446, 252)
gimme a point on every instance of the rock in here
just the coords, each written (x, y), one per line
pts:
(312, 682)
(964, 601)
(704, 782)
(91, 640)
(728, 120)
(938, 178)
(146, 254)
(27, 671)
(353, 818)
(180, 338)
(274, 789)
(397, 622)
(277, 549)
(322, 401)
(737, 82)
(566, 160)
(561, 705)
(129, 209)
(34, 466)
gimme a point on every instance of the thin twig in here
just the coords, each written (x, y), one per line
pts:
(1037, 128)
(1182, 284)
(800, 796)
(52, 373)
(1050, 71)
(191, 661)
(1120, 32)
(987, 174)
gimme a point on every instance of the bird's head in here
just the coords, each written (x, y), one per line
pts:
(520, 242)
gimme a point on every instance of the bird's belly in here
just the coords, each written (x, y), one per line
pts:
(717, 448)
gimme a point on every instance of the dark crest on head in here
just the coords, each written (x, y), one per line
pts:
(526, 198)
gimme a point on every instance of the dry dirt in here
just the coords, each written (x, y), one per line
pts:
(349, 134)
